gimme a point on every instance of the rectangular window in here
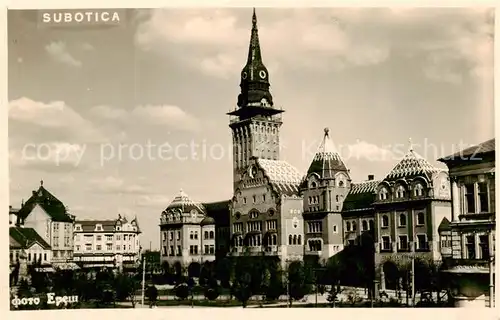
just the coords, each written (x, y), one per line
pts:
(386, 243)
(484, 247)
(212, 249)
(421, 242)
(77, 248)
(109, 238)
(118, 248)
(403, 242)
(196, 234)
(45, 257)
(98, 247)
(315, 227)
(191, 235)
(124, 247)
(470, 247)
(88, 247)
(118, 237)
(469, 198)
(178, 235)
(179, 250)
(99, 238)
(172, 250)
(109, 247)
(206, 249)
(482, 189)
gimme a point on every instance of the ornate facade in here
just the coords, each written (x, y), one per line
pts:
(188, 231)
(468, 240)
(113, 243)
(410, 204)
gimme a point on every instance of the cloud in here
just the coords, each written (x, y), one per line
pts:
(216, 42)
(87, 46)
(59, 52)
(169, 116)
(48, 157)
(115, 185)
(56, 118)
(367, 151)
(153, 201)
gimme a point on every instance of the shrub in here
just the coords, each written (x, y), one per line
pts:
(182, 291)
(212, 293)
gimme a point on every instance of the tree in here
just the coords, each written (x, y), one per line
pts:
(274, 288)
(182, 291)
(241, 288)
(223, 271)
(333, 275)
(126, 288)
(152, 294)
(299, 280)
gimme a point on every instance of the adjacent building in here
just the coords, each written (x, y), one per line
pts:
(410, 204)
(468, 240)
(113, 243)
(187, 233)
(50, 219)
(28, 242)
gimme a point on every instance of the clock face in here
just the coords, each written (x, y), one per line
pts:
(262, 74)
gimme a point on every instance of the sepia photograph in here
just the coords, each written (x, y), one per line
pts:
(251, 157)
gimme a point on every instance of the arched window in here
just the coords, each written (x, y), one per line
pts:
(402, 220)
(385, 221)
(337, 198)
(371, 224)
(294, 239)
(400, 192)
(299, 240)
(313, 184)
(420, 219)
(364, 225)
(341, 183)
(348, 226)
(290, 239)
(383, 194)
(419, 190)
(354, 226)
(241, 241)
(275, 239)
(211, 234)
(206, 234)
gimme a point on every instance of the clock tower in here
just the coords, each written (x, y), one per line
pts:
(255, 122)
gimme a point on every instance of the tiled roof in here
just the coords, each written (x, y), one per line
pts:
(50, 204)
(482, 148)
(107, 225)
(13, 244)
(361, 196)
(326, 161)
(444, 225)
(283, 177)
(183, 202)
(27, 237)
(412, 165)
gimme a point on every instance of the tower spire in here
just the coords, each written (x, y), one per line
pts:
(254, 54)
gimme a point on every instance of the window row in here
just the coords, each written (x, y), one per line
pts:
(315, 244)
(402, 219)
(403, 244)
(402, 192)
(365, 225)
(314, 226)
(295, 239)
(171, 251)
(107, 247)
(476, 246)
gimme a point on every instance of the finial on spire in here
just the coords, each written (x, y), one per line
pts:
(254, 19)
(327, 131)
(410, 145)
(41, 183)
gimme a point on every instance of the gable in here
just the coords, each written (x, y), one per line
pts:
(36, 215)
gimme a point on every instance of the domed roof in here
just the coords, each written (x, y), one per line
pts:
(183, 203)
(207, 221)
(326, 161)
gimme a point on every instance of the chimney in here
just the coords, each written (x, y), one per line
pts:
(33, 192)
(10, 207)
(371, 177)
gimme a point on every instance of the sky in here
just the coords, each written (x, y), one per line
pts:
(117, 119)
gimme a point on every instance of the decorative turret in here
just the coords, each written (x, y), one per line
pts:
(326, 162)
